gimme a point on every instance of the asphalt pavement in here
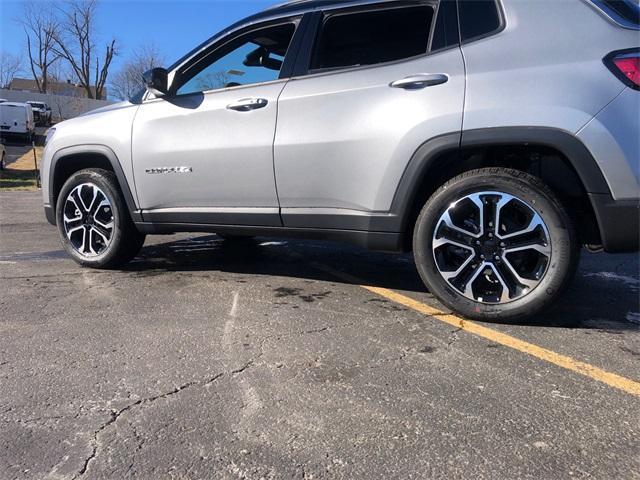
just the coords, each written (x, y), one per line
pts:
(277, 358)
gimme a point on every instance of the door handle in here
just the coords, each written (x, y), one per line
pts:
(248, 104)
(420, 81)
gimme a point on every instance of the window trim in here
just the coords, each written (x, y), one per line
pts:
(298, 21)
(303, 69)
(501, 18)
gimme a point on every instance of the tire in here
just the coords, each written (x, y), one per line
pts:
(486, 278)
(104, 239)
(2, 161)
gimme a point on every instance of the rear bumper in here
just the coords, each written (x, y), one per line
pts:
(619, 223)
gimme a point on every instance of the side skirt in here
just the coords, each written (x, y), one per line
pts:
(377, 241)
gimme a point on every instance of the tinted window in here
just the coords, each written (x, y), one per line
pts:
(445, 32)
(253, 58)
(478, 17)
(367, 38)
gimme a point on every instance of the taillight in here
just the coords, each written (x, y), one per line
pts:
(625, 64)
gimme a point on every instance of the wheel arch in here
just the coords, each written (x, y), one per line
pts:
(577, 176)
(67, 161)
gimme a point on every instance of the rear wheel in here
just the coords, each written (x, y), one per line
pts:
(93, 221)
(2, 161)
(495, 244)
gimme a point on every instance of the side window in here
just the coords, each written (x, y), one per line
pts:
(478, 18)
(445, 32)
(255, 57)
(368, 38)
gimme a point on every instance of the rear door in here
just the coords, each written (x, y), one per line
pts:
(14, 118)
(379, 81)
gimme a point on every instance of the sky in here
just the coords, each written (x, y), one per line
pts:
(173, 26)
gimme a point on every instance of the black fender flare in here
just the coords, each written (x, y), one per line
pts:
(92, 149)
(426, 156)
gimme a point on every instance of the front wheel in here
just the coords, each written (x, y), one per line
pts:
(94, 223)
(495, 244)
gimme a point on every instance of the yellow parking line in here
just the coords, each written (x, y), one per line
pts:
(582, 368)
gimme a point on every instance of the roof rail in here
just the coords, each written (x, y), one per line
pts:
(285, 4)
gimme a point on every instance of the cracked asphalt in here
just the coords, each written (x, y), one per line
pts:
(207, 358)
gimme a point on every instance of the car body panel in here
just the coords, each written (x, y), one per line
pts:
(110, 127)
(520, 77)
(612, 137)
(344, 139)
(230, 153)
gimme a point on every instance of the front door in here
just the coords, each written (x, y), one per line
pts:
(203, 153)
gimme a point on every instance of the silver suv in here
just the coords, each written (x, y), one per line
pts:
(491, 138)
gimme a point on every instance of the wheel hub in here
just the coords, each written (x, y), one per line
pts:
(492, 247)
(489, 248)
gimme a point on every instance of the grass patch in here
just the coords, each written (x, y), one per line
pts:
(17, 180)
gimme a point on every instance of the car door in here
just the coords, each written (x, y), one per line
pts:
(379, 81)
(204, 152)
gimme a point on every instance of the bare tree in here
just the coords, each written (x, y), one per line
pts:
(128, 80)
(212, 80)
(76, 43)
(10, 66)
(40, 26)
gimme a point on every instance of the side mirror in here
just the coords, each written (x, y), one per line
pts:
(156, 81)
(260, 57)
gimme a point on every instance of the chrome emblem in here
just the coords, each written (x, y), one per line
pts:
(154, 171)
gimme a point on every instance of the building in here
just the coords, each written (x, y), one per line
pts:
(66, 89)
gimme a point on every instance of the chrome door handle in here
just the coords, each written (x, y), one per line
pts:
(417, 82)
(248, 104)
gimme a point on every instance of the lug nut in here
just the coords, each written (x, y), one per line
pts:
(497, 257)
(502, 244)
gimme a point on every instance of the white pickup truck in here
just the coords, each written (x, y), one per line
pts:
(41, 113)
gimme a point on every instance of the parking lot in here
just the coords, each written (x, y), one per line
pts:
(16, 148)
(280, 358)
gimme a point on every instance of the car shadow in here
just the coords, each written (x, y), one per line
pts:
(593, 301)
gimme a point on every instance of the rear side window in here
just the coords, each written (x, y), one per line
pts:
(478, 18)
(369, 38)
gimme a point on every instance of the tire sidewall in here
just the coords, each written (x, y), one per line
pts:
(559, 229)
(104, 180)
